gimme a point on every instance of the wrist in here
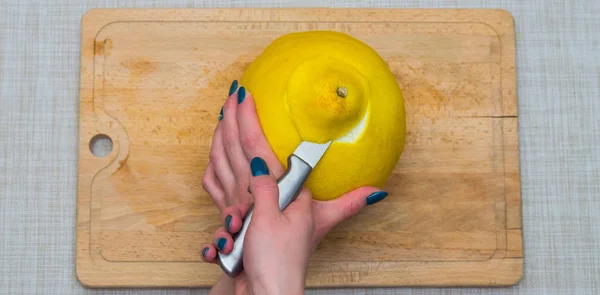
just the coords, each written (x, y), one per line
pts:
(293, 286)
(224, 285)
(278, 291)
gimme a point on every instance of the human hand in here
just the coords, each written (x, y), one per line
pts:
(277, 244)
(237, 140)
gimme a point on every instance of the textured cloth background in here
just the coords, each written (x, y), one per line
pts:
(558, 55)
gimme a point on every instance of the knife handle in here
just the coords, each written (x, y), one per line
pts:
(290, 184)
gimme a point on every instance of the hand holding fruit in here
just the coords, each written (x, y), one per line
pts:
(238, 139)
(311, 86)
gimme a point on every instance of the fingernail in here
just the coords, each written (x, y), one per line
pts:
(221, 242)
(259, 167)
(204, 252)
(241, 94)
(221, 114)
(376, 197)
(228, 222)
(233, 87)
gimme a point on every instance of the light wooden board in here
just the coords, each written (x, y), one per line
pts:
(154, 81)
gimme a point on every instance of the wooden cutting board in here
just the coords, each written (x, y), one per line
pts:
(153, 82)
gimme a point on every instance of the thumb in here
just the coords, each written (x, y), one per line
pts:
(331, 213)
(264, 189)
(301, 207)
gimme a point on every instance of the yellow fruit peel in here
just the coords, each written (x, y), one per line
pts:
(295, 84)
(318, 111)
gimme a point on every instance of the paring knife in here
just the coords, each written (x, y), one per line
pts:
(300, 164)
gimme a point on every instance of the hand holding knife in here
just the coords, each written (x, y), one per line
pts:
(300, 164)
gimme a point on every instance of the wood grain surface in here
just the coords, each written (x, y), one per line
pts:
(154, 80)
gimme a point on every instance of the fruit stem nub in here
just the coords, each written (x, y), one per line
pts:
(342, 92)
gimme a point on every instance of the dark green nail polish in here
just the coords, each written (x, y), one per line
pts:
(258, 166)
(376, 197)
(241, 94)
(221, 242)
(204, 251)
(221, 114)
(233, 87)
(228, 222)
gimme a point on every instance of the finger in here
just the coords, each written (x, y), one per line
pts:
(213, 187)
(231, 135)
(209, 253)
(301, 208)
(218, 158)
(233, 217)
(329, 214)
(252, 137)
(223, 241)
(265, 190)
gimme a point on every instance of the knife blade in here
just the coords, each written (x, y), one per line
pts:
(300, 163)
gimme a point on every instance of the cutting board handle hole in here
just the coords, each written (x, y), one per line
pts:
(101, 145)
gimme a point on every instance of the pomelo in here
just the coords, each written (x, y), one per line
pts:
(322, 85)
